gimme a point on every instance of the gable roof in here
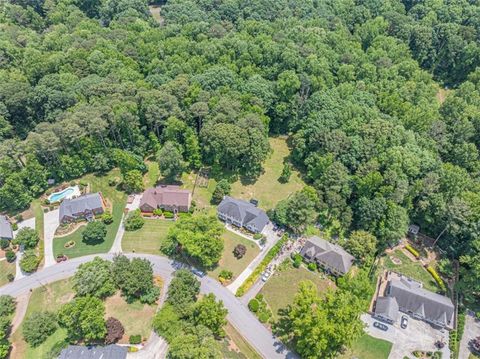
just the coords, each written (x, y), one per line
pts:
(387, 307)
(166, 196)
(333, 255)
(98, 352)
(91, 201)
(412, 297)
(5, 228)
(244, 212)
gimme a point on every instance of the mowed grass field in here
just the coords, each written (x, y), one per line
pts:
(229, 261)
(367, 347)
(149, 238)
(280, 289)
(117, 198)
(6, 269)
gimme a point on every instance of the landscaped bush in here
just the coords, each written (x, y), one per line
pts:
(19, 218)
(157, 212)
(38, 327)
(452, 343)
(135, 339)
(257, 236)
(4, 243)
(412, 250)
(94, 233)
(312, 266)
(297, 260)
(29, 262)
(14, 226)
(10, 256)
(168, 214)
(107, 217)
(10, 277)
(134, 221)
(253, 305)
(437, 278)
(263, 317)
(225, 275)
(239, 251)
(115, 330)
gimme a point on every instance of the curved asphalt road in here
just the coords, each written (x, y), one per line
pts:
(238, 314)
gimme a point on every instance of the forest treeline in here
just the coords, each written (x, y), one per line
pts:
(89, 85)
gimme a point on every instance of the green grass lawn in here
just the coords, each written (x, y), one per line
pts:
(201, 195)
(5, 269)
(147, 239)
(118, 200)
(410, 268)
(152, 176)
(267, 189)
(280, 289)
(368, 347)
(229, 261)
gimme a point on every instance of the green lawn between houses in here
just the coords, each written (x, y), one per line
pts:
(5, 269)
(136, 318)
(367, 347)
(114, 196)
(149, 238)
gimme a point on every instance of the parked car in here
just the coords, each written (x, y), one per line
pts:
(404, 322)
(265, 276)
(198, 272)
(380, 326)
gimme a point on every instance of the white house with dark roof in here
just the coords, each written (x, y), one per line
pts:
(83, 207)
(5, 228)
(327, 255)
(242, 214)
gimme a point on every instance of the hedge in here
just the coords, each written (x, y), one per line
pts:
(135, 339)
(252, 278)
(412, 250)
(253, 305)
(437, 278)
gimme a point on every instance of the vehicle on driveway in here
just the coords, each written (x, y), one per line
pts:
(265, 276)
(380, 326)
(404, 322)
(198, 272)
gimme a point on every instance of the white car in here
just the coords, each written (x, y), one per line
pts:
(265, 276)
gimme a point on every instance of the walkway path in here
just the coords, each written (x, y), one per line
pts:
(239, 316)
(51, 223)
(472, 330)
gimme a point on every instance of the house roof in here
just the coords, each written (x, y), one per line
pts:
(166, 196)
(5, 228)
(91, 201)
(243, 211)
(387, 307)
(333, 255)
(432, 306)
(98, 352)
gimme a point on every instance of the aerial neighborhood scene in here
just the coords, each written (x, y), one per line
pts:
(239, 179)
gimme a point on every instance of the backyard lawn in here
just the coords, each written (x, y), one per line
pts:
(150, 178)
(368, 347)
(229, 261)
(409, 268)
(280, 289)
(114, 196)
(5, 269)
(147, 239)
(201, 195)
(267, 189)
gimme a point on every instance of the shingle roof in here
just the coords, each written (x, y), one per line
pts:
(5, 228)
(166, 196)
(244, 212)
(432, 306)
(91, 201)
(387, 307)
(107, 352)
(333, 255)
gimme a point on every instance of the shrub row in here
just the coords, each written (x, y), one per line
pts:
(453, 344)
(261, 267)
(412, 250)
(437, 278)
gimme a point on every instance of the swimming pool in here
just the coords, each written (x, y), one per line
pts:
(58, 196)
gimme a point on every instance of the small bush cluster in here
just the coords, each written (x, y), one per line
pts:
(29, 262)
(259, 306)
(225, 275)
(312, 266)
(168, 214)
(412, 250)
(135, 339)
(297, 260)
(134, 221)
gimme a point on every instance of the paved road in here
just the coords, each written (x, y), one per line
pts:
(239, 315)
(51, 222)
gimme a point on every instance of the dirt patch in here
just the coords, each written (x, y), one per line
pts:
(395, 260)
(72, 227)
(232, 346)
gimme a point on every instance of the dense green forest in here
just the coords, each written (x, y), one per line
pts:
(86, 85)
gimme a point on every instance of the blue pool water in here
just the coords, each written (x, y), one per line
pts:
(58, 196)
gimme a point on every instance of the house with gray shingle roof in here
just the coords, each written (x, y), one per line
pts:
(242, 214)
(5, 228)
(386, 309)
(327, 255)
(97, 352)
(83, 207)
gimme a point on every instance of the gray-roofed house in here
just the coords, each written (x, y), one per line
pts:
(420, 303)
(170, 198)
(83, 207)
(97, 352)
(330, 256)
(5, 228)
(242, 214)
(386, 309)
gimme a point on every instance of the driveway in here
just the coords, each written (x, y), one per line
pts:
(419, 335)
(51, 223)
(472, 330)
(238, 314)
(117, 243)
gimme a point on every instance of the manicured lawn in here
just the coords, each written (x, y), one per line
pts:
(229, 261)
(118, 200)
(5, 269)
(149, 238)
(368, 347)
(234, 346)
(410, 268)
(267, 189)
(280, 289)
